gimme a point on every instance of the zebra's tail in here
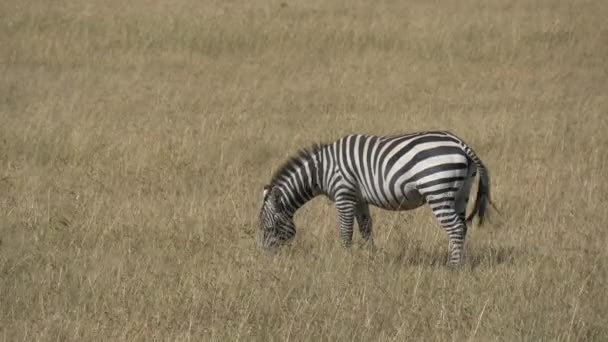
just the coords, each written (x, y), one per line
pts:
(483, 189)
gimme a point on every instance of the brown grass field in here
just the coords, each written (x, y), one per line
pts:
(136, 137)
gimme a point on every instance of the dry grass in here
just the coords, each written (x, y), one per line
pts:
(135, 138)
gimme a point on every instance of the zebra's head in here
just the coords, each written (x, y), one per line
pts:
(276, 223)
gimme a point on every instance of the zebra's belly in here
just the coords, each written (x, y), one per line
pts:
(406, 199)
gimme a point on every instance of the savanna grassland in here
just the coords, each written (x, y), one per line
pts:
(136, 137)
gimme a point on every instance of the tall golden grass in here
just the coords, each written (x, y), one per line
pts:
(136, 137)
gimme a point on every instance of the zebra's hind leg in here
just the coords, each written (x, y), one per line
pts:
(457, 231)
(461, 200)
(453, 223)
(365, 223)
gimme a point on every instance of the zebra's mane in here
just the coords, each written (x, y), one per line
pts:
(300, 158)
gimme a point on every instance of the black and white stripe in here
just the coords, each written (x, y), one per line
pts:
(397, 172)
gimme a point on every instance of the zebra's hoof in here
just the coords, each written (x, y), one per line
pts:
(455, 265)
(347, 244)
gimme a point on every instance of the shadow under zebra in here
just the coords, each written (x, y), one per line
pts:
(476, 256)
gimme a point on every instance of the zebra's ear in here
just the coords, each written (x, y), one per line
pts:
(266, 189)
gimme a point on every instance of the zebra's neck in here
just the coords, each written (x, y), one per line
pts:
(301, 179)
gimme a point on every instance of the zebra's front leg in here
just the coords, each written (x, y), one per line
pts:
(365, 223)
(346, 215)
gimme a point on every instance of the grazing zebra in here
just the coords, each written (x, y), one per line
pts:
(396, 172)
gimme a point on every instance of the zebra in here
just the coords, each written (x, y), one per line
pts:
(393, 172)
